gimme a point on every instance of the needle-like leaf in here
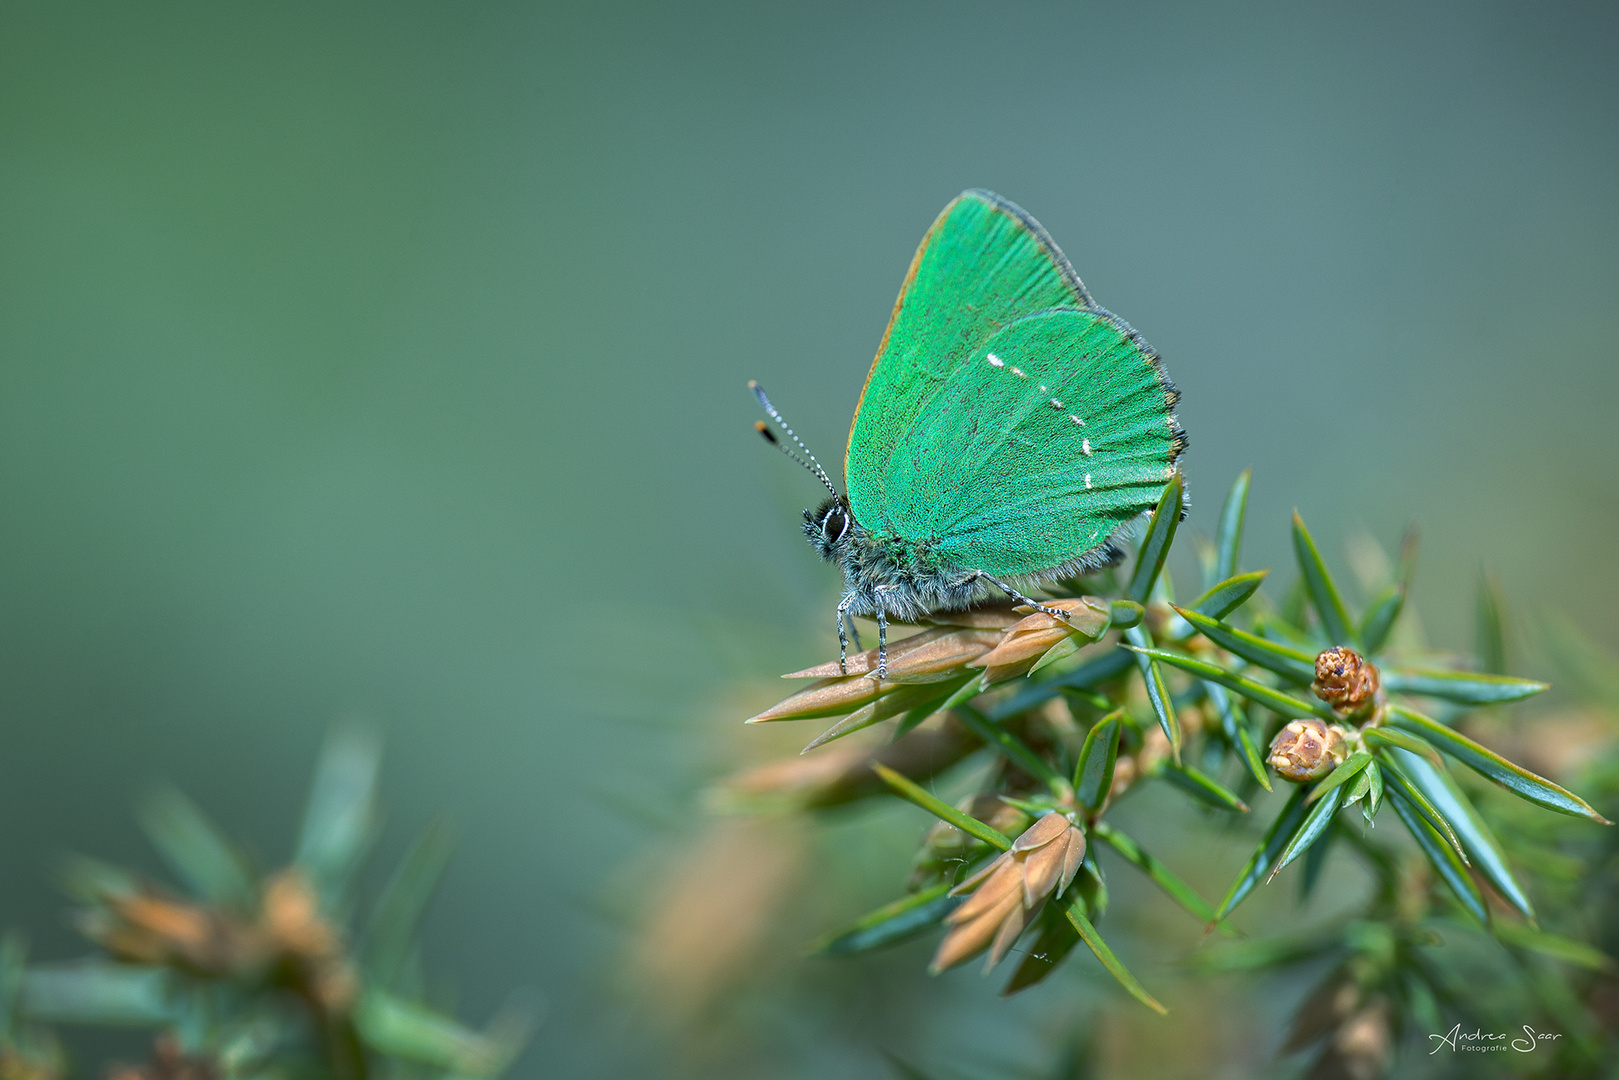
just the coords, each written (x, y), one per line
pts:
(1161, 875)
(1015, 750)
(1324, 596)
(1348, 770)
(892, 923)
(1228, 540)
(196, 850)
(1226, 596)
(942, 810)
(1202, 787)
(1516, 779)
(1166, 518)
(1462, 687)
(1381, 616)
(1441, 856)
(1483, 850)
(1235, 727)
(1157, 692)
(1074, 907)
(1259, 863)
(1314, 825)
(1391, 736)
(1093, 772)
(391, 933)
(96, 991)
(1057, 939)
(1555, 946)
(1489, 628)
(1400, 785)
(1295, 665)
(1275, 700)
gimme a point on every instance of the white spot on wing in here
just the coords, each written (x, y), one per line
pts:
(1044, 389)
(1057, 403)
(1019, 373)
(1087, 481)
(995, 361)
(1085, 445)
(1076, 419)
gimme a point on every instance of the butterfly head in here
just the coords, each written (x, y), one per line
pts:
(828, 527)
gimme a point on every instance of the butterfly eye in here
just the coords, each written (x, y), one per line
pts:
(834, 525)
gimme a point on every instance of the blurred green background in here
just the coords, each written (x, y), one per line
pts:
(389, 361)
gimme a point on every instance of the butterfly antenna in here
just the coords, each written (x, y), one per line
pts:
(812, 465)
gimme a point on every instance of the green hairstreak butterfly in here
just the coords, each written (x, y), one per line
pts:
(1009, 431)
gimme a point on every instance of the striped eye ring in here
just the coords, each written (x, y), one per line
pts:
(834, 526)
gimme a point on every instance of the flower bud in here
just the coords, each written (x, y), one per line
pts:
(946, 848)
(1307, 749)
(1345, 680)
(1026, 641)
(1007, 893)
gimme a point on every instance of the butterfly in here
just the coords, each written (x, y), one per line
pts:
(1009, 432)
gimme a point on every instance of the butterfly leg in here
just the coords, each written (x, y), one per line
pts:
(1057, 613)
(882, 645)
(843, 640)
(882, 634)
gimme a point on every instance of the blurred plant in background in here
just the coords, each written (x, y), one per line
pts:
(248, 975)
(1051, 724)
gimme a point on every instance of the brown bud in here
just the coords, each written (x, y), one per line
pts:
(1030, 638)
(1307, 749)
(1008, 892)
(1345, 680)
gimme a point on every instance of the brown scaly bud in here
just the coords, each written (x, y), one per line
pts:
(145, 927)
(292, 919)
(1346, 680)
(1008, 892)
(1307, 749)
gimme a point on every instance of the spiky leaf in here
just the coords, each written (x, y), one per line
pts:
(892, 923)
(1226, 596)
(1290, 663)
(1228, 539)
(1275, 700)
(1160, 534)
(1516, 779)
(1462, 687)
(1324, 596)
(1259, 863)
(1157, 692)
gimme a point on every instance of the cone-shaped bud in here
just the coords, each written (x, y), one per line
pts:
(1345, 680)
(1032, 636)
(1307, 749)
(931, 656)
(1008, 892)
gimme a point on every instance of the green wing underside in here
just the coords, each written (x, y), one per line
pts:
(1006, 418)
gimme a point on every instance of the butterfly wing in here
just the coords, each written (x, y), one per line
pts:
(1007, 419)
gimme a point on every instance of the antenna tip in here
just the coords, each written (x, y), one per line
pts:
(753, 384)
(764, 429)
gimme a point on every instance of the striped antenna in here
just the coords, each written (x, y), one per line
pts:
(812, 465)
